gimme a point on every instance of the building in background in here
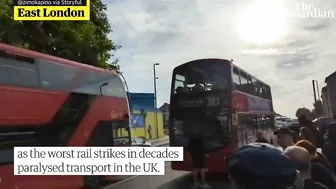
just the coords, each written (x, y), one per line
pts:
(325, 102)
(165, 111)
(331, 92)
(143, 116)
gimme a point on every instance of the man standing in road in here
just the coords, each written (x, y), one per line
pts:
(198, 157)
(149, 130)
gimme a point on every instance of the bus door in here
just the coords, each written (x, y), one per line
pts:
(245, 129)
(121, 134)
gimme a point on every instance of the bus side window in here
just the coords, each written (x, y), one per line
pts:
(235, 77)
(255, 86)
(180, 84)
(90, 84)
(17, 70)
(250, 87)
(264, 91)
(268, 92)
(56, 76)
(244, 82)
(114, 87)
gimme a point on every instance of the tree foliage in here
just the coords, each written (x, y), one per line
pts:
(83, 41)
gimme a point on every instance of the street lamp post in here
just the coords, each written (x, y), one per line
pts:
(314, 90)
(155, 99)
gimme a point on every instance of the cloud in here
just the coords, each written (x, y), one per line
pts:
(172, 32)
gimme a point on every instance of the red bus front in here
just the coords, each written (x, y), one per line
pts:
(49, 101)
(204, 95)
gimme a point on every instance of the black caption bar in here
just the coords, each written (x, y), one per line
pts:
(50, 2)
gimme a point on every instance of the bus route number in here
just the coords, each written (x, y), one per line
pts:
(213, 101)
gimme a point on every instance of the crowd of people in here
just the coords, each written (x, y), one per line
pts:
(298, 164)
(294, 158)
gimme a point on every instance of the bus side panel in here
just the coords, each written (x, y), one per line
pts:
(240, 102)
(102, 109)
(31, 107)
(28, 106)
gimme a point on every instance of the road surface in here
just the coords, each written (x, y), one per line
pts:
(150, 182)
(171, 180)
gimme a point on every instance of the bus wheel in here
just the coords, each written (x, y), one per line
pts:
(93, 182)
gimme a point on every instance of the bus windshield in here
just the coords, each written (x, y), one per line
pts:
(201, 101)
(216, 132)
(201, 76)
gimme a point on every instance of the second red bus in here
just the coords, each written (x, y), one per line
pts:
(223, 101)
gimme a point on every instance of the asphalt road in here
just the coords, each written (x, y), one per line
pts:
(171, 180)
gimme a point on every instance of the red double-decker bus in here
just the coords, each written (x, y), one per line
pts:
(224, 102)
(50, 101)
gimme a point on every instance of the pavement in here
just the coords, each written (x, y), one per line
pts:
(155, 142)
(172, 179)
(160, 141)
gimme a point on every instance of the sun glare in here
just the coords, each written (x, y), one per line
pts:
(263, 22)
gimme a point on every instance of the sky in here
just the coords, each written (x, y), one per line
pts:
(281, 42)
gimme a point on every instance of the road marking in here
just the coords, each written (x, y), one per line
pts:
(132, 177)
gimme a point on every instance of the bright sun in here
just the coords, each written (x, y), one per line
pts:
(263, 22)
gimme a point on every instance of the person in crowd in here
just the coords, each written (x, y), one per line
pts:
(260, 137)
(304, 122)
(319, 172)
(301, 159)
(315, 156)
(285, 137)
(296, 132)
(329, 149)
(307, 134)
(261, 166)
(198, 157)
(149, 130)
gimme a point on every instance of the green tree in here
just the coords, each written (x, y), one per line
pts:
(318, 106)
(83, 41)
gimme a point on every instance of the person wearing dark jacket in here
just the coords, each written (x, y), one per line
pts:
(304, 122)
(307, 134)
(198, 157)
(320, 168)
(321, 174)
(329, 149)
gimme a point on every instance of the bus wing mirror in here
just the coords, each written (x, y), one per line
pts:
(101, 88)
